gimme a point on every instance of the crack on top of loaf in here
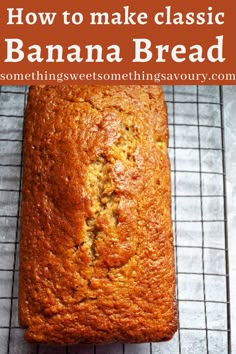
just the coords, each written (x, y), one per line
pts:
(105, 196)
(103, 199)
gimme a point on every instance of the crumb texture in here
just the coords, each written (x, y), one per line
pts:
(96, 248)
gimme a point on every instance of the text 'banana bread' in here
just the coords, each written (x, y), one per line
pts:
(96, 248)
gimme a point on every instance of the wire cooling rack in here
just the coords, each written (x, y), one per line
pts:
(196, 128)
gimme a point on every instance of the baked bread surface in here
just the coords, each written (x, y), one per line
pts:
(96, 248)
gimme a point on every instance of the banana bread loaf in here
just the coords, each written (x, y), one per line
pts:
(96, 248)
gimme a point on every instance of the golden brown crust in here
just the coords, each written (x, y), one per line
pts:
(96, 249)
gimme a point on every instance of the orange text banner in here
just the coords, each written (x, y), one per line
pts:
(118, 42)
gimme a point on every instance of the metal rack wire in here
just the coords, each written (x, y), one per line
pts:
(196, 126)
